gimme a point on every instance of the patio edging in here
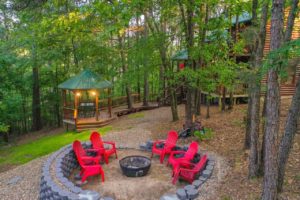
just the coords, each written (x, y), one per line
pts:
(190, 191)
(65, 162)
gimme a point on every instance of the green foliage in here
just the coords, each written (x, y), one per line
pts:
(278, 59)
(205, 134)
(3, 128)
(20, 154)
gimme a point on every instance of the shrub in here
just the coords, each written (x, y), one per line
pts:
(204, 134)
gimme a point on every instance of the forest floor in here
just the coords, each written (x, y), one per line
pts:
(227, 144)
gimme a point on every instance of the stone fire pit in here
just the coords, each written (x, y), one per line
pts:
(135, 166)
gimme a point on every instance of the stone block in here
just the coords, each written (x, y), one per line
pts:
(206, 173)
(209, 167)
(202, 178)
(90, 195)
(181, 194)
(192, 193)
(169, 197)
(197, 183)
(107, 198)
(189, 187)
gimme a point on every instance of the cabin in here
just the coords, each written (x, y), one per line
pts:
(288, 85)
(239, 24)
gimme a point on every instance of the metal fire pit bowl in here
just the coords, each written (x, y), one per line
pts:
(135, 166)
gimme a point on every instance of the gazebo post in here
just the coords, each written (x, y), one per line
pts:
(109, 101)
(75, 108)
(97, 106)
(64, 97)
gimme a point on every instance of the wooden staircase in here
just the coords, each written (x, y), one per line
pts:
(88, 125)
(287, 90)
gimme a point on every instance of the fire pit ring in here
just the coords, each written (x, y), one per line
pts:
(135, 166)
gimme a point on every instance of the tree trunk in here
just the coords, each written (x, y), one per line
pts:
(146, 88)
(273, 108)
(223, 98)
(124, 69)
(291, 20)
(254, 157)
(198, 103)
(254, 11)
(262, 153)
(294, 111)
(207, 106)
(36, 100)
(76, 62)
(230, 106)
(57, 102)
(174, 105)
(288, 137)
(254, 131)
(189, 33)
(248, 124)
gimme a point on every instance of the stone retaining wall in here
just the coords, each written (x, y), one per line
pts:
(57, 185)
(59, 166)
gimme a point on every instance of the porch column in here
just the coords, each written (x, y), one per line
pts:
(97, 106)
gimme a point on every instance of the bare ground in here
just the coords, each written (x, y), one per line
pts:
(229, 180)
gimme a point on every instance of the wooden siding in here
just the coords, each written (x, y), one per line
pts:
(285, 89)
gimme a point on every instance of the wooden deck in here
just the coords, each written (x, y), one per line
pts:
(104, 119)
(89, 123)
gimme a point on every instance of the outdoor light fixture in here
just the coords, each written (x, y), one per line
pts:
(78, 94)
(93, 93)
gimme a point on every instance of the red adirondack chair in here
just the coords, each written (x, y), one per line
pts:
(187, 156)
(188, 171)
(89, 165)
(169, 144)
(97, 143)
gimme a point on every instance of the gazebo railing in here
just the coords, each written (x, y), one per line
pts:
(68, 113)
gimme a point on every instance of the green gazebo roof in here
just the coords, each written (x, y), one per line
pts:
(180, 55)
(84, 81)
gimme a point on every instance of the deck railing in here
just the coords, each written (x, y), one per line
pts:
(68, 113)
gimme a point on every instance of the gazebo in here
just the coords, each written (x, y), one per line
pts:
(80, 96)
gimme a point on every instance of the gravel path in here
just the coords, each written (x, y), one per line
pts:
(21, 182)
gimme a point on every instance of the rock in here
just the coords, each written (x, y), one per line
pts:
(209, 167)
(202, 178)
(181, 194)
(206, 173)
(143, 146)
(89, 195)
(211, 162)
(149, 144)
(79, 183)
(14, 180)
(192, 193)
(197, 183)
(107, 198)
(169, 197)
(189, 187)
